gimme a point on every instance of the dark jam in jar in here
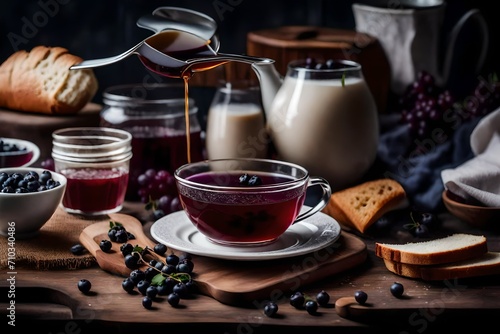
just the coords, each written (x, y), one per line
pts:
(155, 116)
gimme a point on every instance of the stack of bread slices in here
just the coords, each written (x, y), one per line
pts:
(455, 256)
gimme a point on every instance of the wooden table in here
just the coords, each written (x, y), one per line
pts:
(50, 302)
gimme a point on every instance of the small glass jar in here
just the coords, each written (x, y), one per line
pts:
(155, 116)
(236, 125)
(95, 161)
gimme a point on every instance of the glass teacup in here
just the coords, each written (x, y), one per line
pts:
(246, 201)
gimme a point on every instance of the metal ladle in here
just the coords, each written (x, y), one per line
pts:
(188, 23)
(163, 18)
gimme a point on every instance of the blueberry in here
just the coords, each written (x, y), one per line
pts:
(121, 236)
(297, 299)
(137, 275)
(168, 269)
(421, 231)
(173, 299)
(323, 298)
(172, 259)
(150, 273)
(183, 267)
(311, 307)
(45, 176)
(128, 285)
(77, 249)
(181, 289)
(361, 297)
(163, 290)
(132, 261)
(147, 302)
(244, 179)
(105, 245)
(397, 289)
(160, 249)
(270, 309)
(84, 285)
(151, 291)
(143, 286)
(255, 181)
(126, 248)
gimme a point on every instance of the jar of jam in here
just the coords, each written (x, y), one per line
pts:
(155, 115)
(95, 161)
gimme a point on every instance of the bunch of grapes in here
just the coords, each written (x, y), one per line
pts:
(158, 190)
(425, 106)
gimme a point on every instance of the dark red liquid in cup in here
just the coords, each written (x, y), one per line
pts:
(94, 190)
(242, 217)
(15, 160)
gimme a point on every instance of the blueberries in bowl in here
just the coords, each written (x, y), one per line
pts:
(28, 198)
(29, 182)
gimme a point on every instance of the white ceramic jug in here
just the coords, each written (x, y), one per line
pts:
(326, 120)
(410, 33)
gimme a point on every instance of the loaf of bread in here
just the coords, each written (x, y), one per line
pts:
(360, 206)
(453, 248)
(486, 264)
(40, 81)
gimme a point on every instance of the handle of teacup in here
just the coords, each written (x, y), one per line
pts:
(473, 14)
(325, 197)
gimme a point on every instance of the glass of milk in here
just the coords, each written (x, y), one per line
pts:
(236, 123)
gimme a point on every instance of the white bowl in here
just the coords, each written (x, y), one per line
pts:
(23, 214)
(23, 158)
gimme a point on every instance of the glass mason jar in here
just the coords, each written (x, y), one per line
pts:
(155, 116)
(326, 120)
(95, 161)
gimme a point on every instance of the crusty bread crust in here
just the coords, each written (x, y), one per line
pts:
(360, 206)
(40, 81)
(484, 265)
(456, 247)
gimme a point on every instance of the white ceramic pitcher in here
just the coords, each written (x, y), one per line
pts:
(410, 33)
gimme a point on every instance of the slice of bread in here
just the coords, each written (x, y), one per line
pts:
(40, 81)
(486, 264)
(361, 205)
(453, 248)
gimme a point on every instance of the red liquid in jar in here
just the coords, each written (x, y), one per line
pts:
(160, 153)
(94, 190)
(235, 218)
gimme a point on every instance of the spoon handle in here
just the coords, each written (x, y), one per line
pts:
(91, 63)
(220, 57)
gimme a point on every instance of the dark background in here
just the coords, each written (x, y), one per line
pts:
(95, 29)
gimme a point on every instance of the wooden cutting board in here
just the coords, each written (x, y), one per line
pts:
(236, 282)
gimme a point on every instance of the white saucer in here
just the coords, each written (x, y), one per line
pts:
(318, 231)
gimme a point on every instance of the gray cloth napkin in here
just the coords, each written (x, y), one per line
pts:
(478, 179)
